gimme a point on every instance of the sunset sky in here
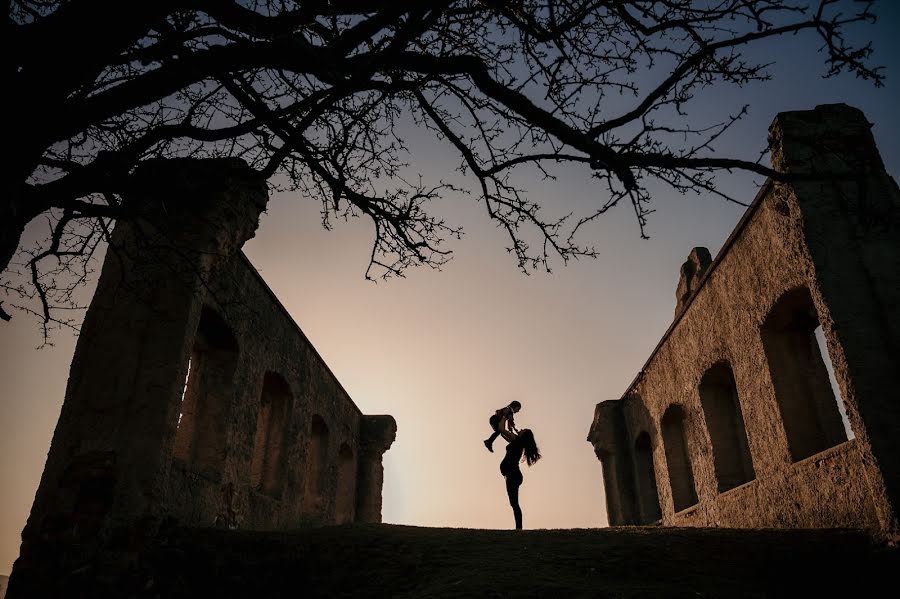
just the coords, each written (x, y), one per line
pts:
(441, 350)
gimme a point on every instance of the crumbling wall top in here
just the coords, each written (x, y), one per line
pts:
(833, 138)
(692, 272)
(377, 433)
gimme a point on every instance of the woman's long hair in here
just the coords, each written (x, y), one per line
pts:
(531, 453)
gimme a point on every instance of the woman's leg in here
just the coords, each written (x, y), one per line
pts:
(513, 482)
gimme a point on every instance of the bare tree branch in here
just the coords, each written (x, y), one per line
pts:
(317, 93)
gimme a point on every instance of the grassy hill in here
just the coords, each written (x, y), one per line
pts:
(373, 561)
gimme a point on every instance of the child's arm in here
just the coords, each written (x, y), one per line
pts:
(504, 428)
(508, 434)
(511, 423)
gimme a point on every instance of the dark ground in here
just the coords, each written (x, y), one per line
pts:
(373, 561)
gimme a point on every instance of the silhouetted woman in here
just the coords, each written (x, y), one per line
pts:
(521, 446)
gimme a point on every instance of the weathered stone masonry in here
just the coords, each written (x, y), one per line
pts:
(193, 397)
(732, 420)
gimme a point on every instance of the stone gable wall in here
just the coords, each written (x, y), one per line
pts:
(806, 253)
(193, 398)
(270, 342)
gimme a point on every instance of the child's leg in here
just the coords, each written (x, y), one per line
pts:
(495, 424)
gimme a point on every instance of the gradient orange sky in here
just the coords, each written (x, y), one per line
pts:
(441, 350)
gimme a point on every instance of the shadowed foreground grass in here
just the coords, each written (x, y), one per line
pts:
(410, 562)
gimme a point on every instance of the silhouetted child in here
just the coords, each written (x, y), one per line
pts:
(501, 421)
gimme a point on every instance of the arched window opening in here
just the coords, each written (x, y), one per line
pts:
(645, 479)
(681, 475)
(725, 421)
(207, 394)
(267, 463)
(317, 475)
(806, 400)
(346, 485)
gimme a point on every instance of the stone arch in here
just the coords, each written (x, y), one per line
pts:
(806, 401)
(725, 423)
(678, 462)
(208, 390)
(267, 462)
(345, 499)
(317, 473)
(645, 480)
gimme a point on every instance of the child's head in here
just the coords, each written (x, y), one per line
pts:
(516, 406)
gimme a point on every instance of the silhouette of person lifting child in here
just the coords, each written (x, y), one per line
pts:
(520, 446)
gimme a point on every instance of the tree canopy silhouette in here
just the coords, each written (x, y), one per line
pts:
(313, 91)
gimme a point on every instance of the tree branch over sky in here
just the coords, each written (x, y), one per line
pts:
(311, 95)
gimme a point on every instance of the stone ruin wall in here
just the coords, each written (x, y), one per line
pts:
(293, 447)
(193, 398)
(732, 421)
